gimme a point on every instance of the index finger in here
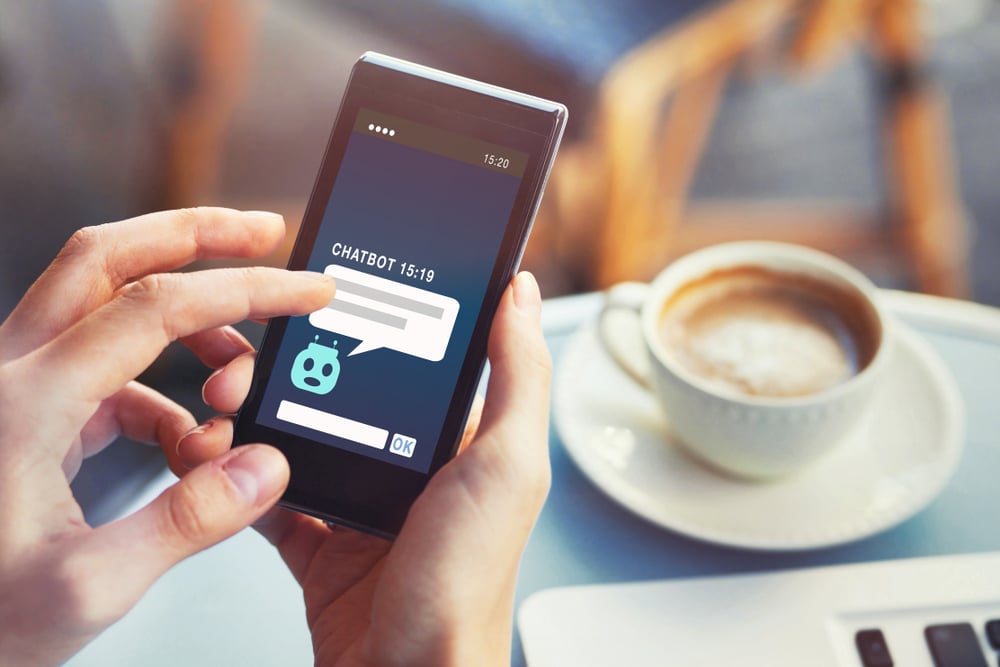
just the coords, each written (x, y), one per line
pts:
(99, 260)
(112, 345)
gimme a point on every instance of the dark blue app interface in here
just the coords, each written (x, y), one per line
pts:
(411, 233)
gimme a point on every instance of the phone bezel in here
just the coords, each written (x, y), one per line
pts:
(349, 488)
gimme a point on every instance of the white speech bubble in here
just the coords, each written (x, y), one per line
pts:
(384, 313)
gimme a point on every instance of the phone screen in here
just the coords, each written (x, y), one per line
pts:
(414, 222)
(420, 212)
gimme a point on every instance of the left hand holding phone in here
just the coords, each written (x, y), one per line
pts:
(69, 353)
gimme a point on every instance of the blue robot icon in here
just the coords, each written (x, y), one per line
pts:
(316, 368)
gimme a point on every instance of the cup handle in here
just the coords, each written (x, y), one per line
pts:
(619, 329)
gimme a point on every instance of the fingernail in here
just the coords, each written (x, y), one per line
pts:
(183, 455)
(266, 215)
(257, 472)
(197, 430)
(205, 385)
(526, 295)
(318, 277)
(237, 339)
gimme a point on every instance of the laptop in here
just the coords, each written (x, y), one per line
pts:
(924, 612)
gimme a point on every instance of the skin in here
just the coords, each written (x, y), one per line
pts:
(99, 315)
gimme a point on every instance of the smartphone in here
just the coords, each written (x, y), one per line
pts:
(421, 211)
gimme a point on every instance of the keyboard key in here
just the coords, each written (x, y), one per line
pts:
(993, 633)
(873, 649)
(954, 645)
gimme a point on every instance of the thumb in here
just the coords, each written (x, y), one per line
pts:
(509, 455)
(212, 502)
(517, 398)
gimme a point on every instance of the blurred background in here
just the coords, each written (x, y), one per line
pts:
(868, 128)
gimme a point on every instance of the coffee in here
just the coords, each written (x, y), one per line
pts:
(765, 333)
(762, 356)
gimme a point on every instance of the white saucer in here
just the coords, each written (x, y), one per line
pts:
(878, 477)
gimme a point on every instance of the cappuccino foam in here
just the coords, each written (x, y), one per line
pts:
(762, 333)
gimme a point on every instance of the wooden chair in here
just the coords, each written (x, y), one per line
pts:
(618, 203)
(206, 48)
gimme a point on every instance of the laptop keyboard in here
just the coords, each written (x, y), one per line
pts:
(950, 645)
(943, 637)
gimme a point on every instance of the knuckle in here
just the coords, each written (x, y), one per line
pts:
(248, 282)
(182, 524)
(77, 599)
(156, 298)
(84, 241)
(187, 222)
(538, 356)
(157, 291)
(94, 248)
(188, 225)
(188, 218)
(533, 358)
(153, 288)
(247, 274)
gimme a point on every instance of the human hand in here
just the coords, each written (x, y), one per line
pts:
(69, 353)
(442, 593)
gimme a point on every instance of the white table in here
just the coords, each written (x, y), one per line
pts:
(237, 604)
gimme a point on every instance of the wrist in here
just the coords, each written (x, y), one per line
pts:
(457, 649)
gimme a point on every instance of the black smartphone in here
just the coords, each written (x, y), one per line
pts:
(421, 211)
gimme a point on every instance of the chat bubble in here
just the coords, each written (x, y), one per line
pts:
(384, 313)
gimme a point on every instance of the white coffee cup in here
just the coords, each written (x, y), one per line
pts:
(752, 436)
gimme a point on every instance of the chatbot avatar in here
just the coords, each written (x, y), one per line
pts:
(317, 368)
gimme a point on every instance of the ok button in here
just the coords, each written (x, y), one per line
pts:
(402, 445)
